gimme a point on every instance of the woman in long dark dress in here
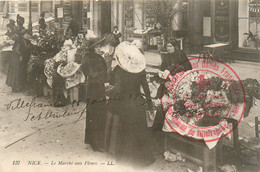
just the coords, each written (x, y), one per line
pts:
(17, 71)
(133, 141)
(95, 69)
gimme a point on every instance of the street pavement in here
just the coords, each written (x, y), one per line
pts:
(25, 138)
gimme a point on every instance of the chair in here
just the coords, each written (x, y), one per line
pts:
(202, 51)
(252, 147)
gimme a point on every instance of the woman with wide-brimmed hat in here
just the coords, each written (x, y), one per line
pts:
(129, 104)
(94, 68)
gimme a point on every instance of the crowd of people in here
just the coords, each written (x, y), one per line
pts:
(116, 107)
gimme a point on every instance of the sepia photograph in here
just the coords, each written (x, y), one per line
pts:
(130, 85)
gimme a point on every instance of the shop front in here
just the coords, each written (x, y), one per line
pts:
(152, 22)
(232, 22)
(248, 32)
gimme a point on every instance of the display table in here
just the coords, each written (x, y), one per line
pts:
(198, 152)
(193, 150)
(214, 49)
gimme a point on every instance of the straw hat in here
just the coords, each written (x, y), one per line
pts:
(129, 58)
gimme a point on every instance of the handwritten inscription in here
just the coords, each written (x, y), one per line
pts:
(44, 112)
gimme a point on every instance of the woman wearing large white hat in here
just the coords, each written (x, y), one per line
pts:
(128, 103)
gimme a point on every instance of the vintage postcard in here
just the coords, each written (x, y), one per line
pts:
(129, 85)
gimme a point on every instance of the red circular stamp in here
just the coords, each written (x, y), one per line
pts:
(200, 103)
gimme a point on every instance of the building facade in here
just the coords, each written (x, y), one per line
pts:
(236, 22)
(9, 10)
(198, 22)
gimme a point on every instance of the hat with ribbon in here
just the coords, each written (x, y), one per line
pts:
(129, 57)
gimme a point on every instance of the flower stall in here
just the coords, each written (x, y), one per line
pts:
(43, 48)
(202, 108)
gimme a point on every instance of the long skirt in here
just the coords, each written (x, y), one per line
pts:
(17, 73)
(96, 117)
(5, 61)
(133, 141)
(111, 131)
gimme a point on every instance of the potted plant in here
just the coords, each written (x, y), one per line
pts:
(251, 40)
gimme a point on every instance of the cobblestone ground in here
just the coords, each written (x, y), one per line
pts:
(61, 139)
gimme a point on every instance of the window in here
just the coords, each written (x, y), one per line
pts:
(46, 6)
(249, 24)
(2, 4)
(11, 7)
(86, 9)
(129, 14)
(22, 7)
(150, 20)
(34, 7)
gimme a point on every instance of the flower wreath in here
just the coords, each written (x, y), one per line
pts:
(199, 98)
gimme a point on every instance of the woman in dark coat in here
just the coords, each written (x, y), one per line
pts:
(133, 138)
(20, 22)
(95, 69)
(17, 71)
(174, 60)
